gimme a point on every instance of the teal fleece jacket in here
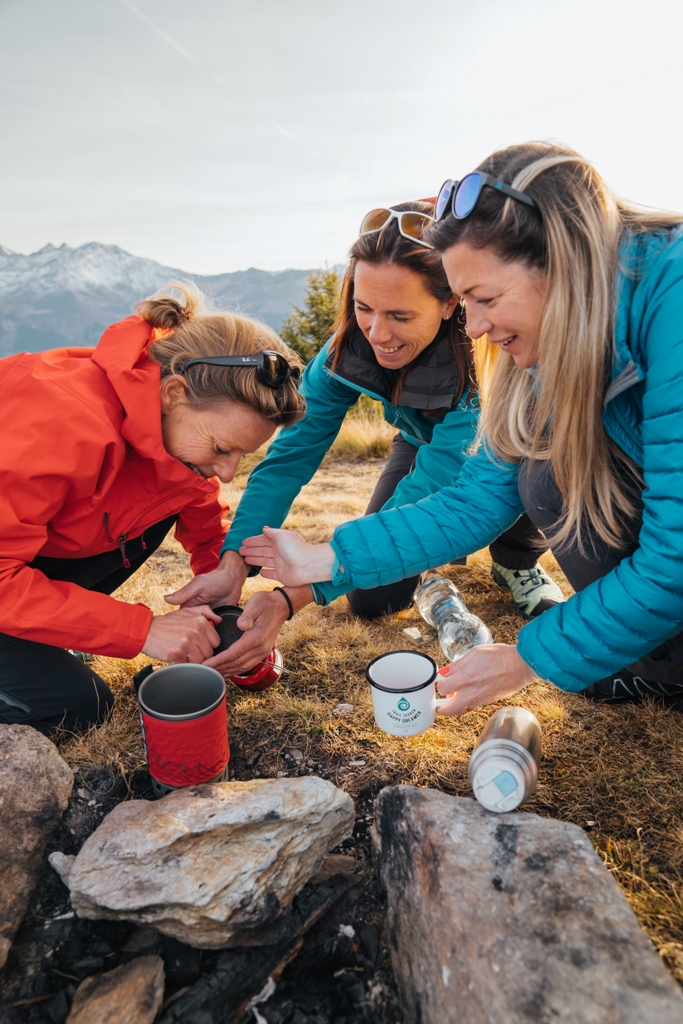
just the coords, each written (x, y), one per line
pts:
(638, 605)
(297, 451)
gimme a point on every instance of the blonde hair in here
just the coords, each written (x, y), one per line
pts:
(555, 414)
(180, 308)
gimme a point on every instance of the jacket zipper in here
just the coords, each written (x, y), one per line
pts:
(122, 548)
(106, 526)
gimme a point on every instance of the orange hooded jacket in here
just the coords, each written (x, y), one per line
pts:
(83, 466)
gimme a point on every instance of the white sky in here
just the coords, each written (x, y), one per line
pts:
(214, 135)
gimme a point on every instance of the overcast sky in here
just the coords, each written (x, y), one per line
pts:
(214, 135)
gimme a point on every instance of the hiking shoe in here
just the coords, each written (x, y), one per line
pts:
(626, 688)
(532, 591)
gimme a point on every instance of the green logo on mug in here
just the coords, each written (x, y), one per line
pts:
(403, 704)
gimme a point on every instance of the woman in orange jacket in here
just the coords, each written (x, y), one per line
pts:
(104, 450)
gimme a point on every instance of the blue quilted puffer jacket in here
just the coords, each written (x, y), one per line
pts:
(638, 605)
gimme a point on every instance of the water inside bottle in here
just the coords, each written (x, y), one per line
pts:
(441, 604)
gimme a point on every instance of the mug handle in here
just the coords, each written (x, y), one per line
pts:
(440, 701)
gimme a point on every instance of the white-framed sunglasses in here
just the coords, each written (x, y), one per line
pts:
(411, 224)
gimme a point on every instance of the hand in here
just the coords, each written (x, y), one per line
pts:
(222, 586)
(261, 620)
(185, 635)
(285, 556)
(481, 676)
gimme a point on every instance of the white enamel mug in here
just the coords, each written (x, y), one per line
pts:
(403, 692)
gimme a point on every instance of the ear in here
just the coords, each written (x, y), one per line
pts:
(173, 392)
(450, 307)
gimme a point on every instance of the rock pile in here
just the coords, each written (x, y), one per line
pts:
(35, 786)
(211, 865)
(508, 919)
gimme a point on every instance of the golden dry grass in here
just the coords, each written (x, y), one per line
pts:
(614, 771)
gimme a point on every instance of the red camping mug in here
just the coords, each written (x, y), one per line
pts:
(184, 725)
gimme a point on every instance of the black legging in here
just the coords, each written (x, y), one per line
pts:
(518, 548)
(543, 503)
(45, 686)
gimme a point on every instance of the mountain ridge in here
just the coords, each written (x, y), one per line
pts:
(64, 295)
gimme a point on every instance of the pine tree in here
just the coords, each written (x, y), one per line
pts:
(306, 330)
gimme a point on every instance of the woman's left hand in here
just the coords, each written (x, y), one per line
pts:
(483, 675)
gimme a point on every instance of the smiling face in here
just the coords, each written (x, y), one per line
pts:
(503, 300)
(209, 441)
(396, 312)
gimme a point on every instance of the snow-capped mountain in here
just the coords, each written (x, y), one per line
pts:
(66, 296)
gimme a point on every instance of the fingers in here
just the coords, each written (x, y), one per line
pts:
(247, 652)
(210, 614)
(253, 552)
(185, 593)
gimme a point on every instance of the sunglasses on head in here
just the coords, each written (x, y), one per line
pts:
(272, 369)
(411, 224)
(461, 197)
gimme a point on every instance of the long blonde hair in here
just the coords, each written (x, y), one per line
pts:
(180, 307)
(555, 414)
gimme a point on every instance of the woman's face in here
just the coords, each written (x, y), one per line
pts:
(395, 312)
(209, 441)
(503, 300)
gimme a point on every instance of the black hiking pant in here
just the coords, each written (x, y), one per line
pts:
(45, 686)
(518, 548)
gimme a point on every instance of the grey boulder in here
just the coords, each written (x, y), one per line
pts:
(509, 919)
(212, 865)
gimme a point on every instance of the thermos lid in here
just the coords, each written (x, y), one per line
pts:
(502, 774)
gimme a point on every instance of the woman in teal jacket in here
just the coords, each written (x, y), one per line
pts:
(581, 298)
(397, 341)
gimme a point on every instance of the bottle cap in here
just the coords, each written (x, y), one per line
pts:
(502, 774)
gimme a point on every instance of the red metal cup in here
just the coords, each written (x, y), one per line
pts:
(184, 726)
(263, 675)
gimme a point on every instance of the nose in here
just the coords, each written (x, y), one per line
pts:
(379, 332)
(226, 467)
(477, 322)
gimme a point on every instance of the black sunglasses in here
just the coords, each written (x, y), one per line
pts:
(461, 197)
(272, 369)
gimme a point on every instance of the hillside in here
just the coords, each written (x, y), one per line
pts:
(67, 296)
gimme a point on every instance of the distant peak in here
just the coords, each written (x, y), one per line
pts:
(4, 251)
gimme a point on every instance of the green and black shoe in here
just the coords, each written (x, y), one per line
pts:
(533, 592)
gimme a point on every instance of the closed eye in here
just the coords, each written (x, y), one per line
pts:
(220, 451)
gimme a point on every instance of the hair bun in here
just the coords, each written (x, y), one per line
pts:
(166, 311)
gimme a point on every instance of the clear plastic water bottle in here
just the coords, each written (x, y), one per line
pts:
(441, 604)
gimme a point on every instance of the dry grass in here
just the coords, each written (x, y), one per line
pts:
(614, 771)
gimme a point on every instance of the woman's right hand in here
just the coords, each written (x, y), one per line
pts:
(182, 636)
(222, 586)
(285, 556)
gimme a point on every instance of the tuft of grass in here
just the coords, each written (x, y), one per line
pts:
(614, 771)
(361, 438)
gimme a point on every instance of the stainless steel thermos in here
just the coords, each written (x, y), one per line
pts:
(503, 768)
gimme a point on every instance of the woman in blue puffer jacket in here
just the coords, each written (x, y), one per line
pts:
(581, 298)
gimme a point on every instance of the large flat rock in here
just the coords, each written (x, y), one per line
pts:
(35, 786)
(509, 919)
(212, 865)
